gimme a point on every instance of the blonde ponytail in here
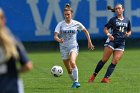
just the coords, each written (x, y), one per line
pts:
(8, 43)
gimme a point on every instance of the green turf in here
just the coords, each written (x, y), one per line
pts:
(125, 79)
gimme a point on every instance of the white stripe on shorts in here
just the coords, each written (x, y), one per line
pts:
(119, 49)
(20, 86)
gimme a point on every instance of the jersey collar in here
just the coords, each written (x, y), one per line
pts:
(120, 18)
(69, 23)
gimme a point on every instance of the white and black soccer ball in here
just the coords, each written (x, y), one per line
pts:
(57, 71)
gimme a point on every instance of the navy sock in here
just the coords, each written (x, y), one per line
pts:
(98, 67)
(110, 70)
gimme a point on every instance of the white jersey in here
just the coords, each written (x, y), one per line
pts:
(69, 32)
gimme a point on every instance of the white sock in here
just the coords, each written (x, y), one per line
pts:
(71, 77)
(75, 74)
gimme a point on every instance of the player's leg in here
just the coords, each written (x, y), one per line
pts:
(106, 55)
(73, 56)
(69, 68)
(116, 57)
(65, 56)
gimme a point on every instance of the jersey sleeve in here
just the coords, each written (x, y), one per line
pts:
(129, 26)
(23, 59)
(80, 26)
(109, 24)
(57, 29)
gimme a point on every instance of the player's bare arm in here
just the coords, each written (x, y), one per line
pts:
(127, 34)
(108, 34)
(90, 45)
(60, 40)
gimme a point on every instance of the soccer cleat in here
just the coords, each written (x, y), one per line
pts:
(76, 85)
(105, 80)
(91, 79)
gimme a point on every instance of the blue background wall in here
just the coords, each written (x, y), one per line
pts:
(35, 20)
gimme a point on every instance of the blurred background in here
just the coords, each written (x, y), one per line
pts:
(34, 21)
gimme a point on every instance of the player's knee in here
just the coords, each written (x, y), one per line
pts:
(73, 65)
(69, 70)
(115, 60)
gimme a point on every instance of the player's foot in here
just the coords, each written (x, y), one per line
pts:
(105, 80)
(76, 85)
(91, 79)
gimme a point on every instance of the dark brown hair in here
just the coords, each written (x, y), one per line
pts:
(68, 7)
(110, 8)
(113, 9)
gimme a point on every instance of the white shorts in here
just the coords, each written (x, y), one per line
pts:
(66, 50)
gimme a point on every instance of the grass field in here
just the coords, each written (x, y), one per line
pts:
(125, 79)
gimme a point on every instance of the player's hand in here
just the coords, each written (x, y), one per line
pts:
(127, 34)
(90, 46)
(111, 37)
(61, 40)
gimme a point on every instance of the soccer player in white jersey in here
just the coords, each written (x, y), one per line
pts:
(66, 34)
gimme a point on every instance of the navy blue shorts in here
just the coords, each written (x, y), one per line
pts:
(114, 46)
(10, 85)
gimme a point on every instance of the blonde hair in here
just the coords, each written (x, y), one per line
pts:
(7, 42)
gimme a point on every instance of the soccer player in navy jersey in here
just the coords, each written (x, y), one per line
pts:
(115, 44)
(11, 52)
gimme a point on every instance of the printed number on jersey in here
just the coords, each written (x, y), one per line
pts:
(121, 29)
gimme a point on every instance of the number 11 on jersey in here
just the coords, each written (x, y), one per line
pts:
(121, 29)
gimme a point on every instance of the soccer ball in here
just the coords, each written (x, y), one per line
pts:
(57, 71)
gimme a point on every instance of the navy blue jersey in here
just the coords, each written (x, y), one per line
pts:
(9, 72)
(118, 28)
